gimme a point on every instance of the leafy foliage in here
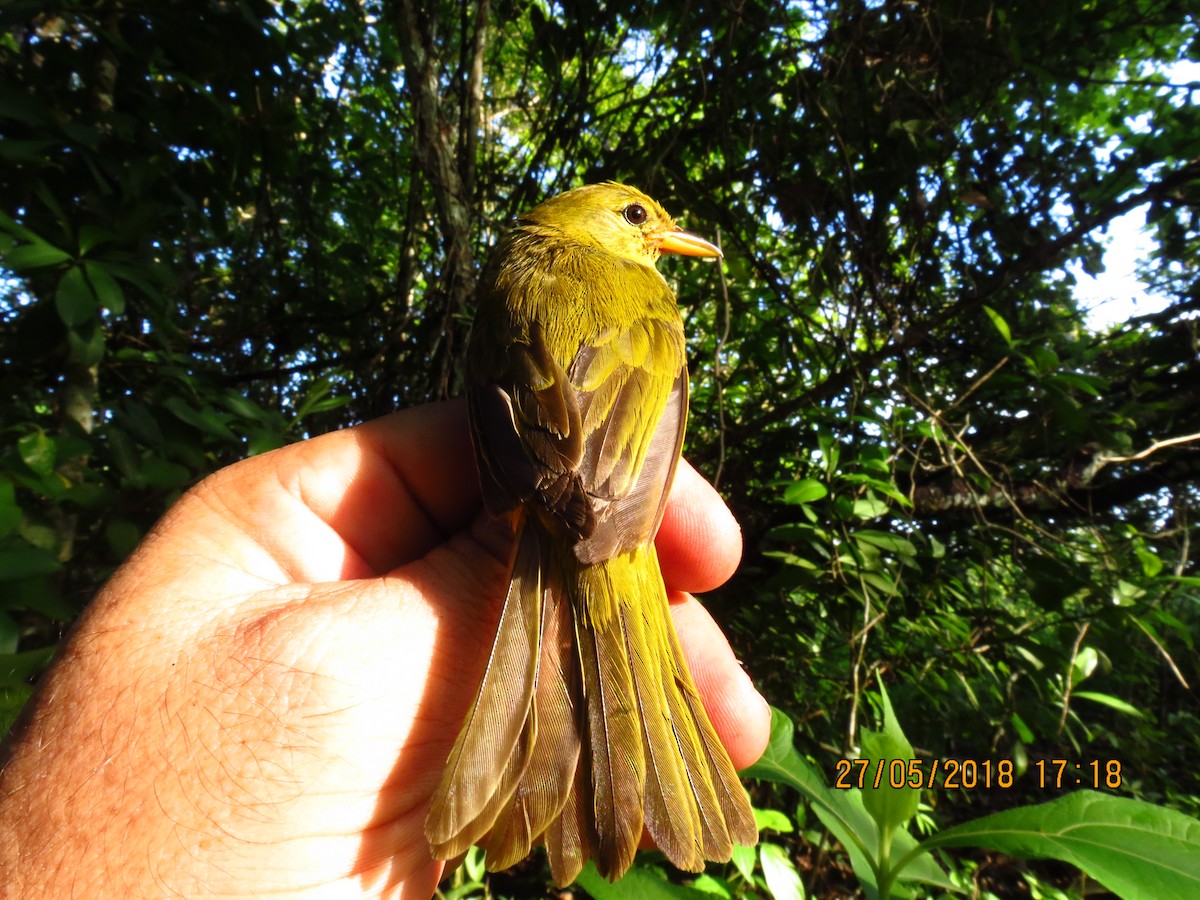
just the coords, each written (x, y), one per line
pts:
(1132, 847)
(228, 226)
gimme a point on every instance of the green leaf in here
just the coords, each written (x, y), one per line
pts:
(884, 487)
(10, 512)
(869, 508)
(893, 803)
(86, 341)
(9, 224)
(139, 421)
(845, 819)
(318, 399)
(1043, 360)
(1051, 580)
(140, 278)
(125, 455)
(772, 820)
(74, 299)
(745, 858)
(792, 559)
(203, 420)
(1126, 593)
(19, 560)
(892, 543)
(110, 294)
(15, 670)
(1110, 701)
(244, 408)
(841, 811)
(35, 255)
(1084, 664)
(1089, 384)
(262, 440)
(162, 474)
(783, 881)
(1000, 324)
(1151, 562)
(711, 886)
(41, 536)
(1023, 731)
(475, 864)
(92, 236)
(38, 451)
(638, 882)
(10, 634)
(884, 585)
(1135, 849)
(18, 667)
(122, 536)
(806, 490)
(25, 151)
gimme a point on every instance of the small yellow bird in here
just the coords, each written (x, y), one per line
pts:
(587, 724)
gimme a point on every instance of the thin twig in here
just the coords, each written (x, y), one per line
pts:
(1163, 652)
(1066, 701)
(979, 382)
(1154, 448)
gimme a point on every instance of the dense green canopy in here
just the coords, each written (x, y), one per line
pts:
(225, 226)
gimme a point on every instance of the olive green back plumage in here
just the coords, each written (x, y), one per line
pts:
(587, 724)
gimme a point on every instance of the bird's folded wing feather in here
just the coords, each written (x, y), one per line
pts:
(631, 376)
(591, 432)
(529, 436)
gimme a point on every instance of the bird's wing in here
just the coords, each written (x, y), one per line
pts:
(632, 396)
(589, 432)
(528, 434)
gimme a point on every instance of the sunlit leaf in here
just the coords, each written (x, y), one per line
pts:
(783, 881)
(805, 491)
(1000, 325)
(1132, 848)
(1109, 701)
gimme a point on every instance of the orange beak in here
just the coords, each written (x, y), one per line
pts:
(686, 244)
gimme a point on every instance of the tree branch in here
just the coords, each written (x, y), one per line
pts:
(438, 141)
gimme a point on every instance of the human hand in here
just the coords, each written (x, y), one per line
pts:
(261, 700)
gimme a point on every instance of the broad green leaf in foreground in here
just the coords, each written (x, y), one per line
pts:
(890, 806)
(842, 812)
(1135, 849)
(639, 883)
(783, 881)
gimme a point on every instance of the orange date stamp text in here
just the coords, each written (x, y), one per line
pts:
(974, 774)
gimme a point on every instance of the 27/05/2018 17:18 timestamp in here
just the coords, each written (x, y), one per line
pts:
(971, 774)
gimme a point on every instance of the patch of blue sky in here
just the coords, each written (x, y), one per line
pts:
(1119, 293)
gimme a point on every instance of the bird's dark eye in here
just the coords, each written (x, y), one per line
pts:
(635, 214)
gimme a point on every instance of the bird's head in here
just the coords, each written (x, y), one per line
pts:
(619, 219)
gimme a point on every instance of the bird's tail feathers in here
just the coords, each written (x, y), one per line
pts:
(496, 741)
(601, 732)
